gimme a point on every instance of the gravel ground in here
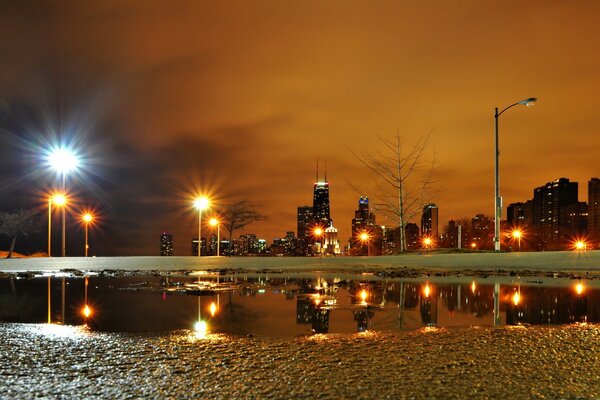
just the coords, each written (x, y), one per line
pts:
(473, 362)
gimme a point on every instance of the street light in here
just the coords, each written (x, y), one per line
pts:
(427, 241)
(364, 237)
(201, 203)
(497, 199)
(63, 161)
(60, 200)
(215, 222)
(517, 234)
(87, 219)
(318, 232)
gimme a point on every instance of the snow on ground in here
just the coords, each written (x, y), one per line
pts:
(541, 261)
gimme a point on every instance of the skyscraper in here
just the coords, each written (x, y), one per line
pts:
(166, 244)
(320, 206)
(305, 221)
(594, 209)
(429, 221)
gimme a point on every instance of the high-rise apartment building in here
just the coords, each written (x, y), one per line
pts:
(594, 209)
(520, 215)
(166, 244)
(195, 247)
(550, 202)
(429, 221)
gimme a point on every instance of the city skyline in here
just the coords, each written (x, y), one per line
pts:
(238, 102)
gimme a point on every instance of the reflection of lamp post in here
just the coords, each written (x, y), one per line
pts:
(215, 222)
(63, 161)
(59, 200)
(201, 203)
(87, 219)
(497, 199)
(364, 237)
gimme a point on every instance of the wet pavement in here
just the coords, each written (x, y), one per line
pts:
(298, 337)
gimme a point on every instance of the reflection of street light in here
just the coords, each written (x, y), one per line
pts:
(63, 161)
(517, 234)
(201, 203)
(516, 299)
(215, 222)
(427, 290)
(579, 288)
(87, 219)
(364, 237)
(364, 295)
(60, 200)
(497, 199)
(213, 309)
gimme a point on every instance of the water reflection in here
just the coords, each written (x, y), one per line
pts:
(288, 306)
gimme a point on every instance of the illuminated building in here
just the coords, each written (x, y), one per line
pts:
(429, 221)
(305, 222)
(411, 232)
(212, 245)
(195, 247)
(594, 209)
(331, 244)
(549, 211)
(520, 215)
(248, 245)
(321, 215)
(482, 231)
(166, 244)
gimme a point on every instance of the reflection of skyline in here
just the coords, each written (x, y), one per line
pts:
(265, 306)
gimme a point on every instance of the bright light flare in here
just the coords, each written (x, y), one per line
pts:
(86, 311)
(364, 236)
(318, 231)
(63, 160)
(427, 242)
(579, 288)
(516, 234)
(516, 298)
(363, 295)
(58, 199)
(201, 329)
(213, 309)
(473, 245)
(213, 222)
(580, 245)
(87, 218)
(201, 203)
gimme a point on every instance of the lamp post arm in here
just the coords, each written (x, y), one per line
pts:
(512, 105)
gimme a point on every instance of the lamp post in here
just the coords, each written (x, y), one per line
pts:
(517, 234)
(63, 161)
(201, 203)
(215, 222)
(497, 199)
(87, 219)
(318, 232)
(59, 200)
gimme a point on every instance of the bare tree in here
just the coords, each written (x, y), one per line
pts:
(22, 222)
(238, 215)
(403, 180)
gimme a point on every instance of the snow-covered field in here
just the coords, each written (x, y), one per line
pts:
(543, 261)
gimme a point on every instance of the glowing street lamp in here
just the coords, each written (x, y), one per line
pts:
(364, 237)
(318, 232)
(215, 222)
(427, 242)
(60, 200)
(63, 160)
(201, 203)
(87, 219)
(517, 234)
(580, 245)
(497, 199)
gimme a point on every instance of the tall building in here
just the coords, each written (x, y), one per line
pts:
(594, 209)
(411, 233)
(195, 247)
(331, 244)
(520, 215)
(305, 222)
(429, 221)
(363, 221)
(248, 245)
(166, 244)
(482, 231)
(550, 202)
(321, 215)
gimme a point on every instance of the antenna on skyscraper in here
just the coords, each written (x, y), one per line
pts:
(325, 170)
(317, 170)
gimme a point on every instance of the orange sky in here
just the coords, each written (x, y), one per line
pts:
(256, 90)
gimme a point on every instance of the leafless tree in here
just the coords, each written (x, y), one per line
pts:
(238, 215)
(22, 222)
(404, 179)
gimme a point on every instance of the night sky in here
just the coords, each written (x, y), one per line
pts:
(238, 99)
